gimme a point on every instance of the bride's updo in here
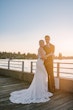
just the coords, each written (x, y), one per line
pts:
(41, 43)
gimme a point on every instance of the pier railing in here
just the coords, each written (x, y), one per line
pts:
(12, 65)
(60, 68)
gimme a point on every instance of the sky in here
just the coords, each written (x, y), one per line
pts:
(24, 22)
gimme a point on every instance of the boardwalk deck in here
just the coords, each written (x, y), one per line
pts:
(60, 101)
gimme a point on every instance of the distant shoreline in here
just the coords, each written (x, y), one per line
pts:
(10, 55)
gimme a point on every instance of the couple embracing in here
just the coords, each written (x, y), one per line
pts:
(42, 86)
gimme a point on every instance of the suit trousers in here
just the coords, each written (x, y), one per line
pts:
(51, 82)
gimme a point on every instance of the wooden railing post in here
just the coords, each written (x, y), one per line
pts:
(22, 66)
(31, 66)
(57, 79)
(8, 64)
(58, 69)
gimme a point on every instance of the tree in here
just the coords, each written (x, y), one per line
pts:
(60, 56)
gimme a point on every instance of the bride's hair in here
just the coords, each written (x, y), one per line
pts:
(41, 41)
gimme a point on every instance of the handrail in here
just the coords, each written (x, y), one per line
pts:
(58, 68)
(9, 64)
(63, 63)
(20, 64)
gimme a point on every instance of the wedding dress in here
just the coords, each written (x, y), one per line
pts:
(37, 91)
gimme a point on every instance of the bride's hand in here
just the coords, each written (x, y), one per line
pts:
(44, 57)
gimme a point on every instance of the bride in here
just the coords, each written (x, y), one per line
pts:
(38, 90)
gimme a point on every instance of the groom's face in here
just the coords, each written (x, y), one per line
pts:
(47, 39)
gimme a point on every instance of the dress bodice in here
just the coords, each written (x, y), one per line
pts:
(41, 52)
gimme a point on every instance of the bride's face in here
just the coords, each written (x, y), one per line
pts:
(41, 43)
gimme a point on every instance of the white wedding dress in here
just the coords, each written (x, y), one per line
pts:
(37, 91)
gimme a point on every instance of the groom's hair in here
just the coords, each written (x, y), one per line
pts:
(47, 36)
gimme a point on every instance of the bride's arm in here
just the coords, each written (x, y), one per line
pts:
(42, 55)
(51, 54)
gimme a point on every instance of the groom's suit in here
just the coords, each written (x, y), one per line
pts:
(49, 67)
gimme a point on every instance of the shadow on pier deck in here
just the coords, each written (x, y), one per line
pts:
(60, 101)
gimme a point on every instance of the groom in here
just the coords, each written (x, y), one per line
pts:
(49, 49)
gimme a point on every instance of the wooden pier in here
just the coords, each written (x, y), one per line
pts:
(11, 80)
(61, 100)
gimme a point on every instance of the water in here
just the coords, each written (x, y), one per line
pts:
(16, 64)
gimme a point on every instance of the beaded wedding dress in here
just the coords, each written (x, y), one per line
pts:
(37, 91)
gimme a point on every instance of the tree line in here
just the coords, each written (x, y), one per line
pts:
(10, 55)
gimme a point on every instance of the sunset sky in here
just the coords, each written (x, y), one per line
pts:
(24, 22)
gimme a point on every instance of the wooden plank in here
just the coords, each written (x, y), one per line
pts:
(61, 100)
